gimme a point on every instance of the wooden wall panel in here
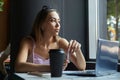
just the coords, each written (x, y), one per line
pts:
(4, 26)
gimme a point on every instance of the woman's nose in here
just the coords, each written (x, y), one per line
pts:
(57, 24)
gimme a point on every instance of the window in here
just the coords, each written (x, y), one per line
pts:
(93, 4)
(97, 24)
(104, 22)
(113, 20)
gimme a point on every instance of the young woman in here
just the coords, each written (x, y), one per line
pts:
(33, 53)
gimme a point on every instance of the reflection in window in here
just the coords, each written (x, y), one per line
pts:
(113, 19)
(104, 22)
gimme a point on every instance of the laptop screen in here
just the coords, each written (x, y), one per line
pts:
(107, 56)
(106, 60)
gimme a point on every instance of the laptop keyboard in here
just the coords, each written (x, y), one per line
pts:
(80, 73)
(90, 71)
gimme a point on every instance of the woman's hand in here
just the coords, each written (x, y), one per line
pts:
(76, 55)
(73, 53)
(65, 64)
(74, 46)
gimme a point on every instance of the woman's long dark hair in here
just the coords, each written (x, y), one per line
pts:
(37, 30)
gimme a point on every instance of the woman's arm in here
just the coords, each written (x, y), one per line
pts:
(76, 55)
(21, 62)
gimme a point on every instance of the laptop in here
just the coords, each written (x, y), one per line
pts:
(106, 60)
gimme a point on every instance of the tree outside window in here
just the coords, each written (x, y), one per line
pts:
(113, 19)
(1, 5)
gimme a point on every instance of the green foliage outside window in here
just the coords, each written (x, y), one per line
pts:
(113, 17)
(1, 5)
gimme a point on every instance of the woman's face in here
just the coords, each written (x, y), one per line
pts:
(52, 24)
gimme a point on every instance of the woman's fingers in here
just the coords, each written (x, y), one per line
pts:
(74, 46)
(65, 64)
(71, 46)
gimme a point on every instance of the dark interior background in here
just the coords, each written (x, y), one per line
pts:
(74, 22)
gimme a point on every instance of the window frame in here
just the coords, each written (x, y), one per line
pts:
(93, 29)
(97, 24)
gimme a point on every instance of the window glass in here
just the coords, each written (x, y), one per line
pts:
(113, 20)
(104, 22)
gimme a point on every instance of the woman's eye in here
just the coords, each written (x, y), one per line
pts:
(52, 20)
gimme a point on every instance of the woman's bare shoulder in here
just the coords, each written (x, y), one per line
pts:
(63, 43)
(63, 40)
(27, 41)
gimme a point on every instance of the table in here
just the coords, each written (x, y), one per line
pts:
(46, 76)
